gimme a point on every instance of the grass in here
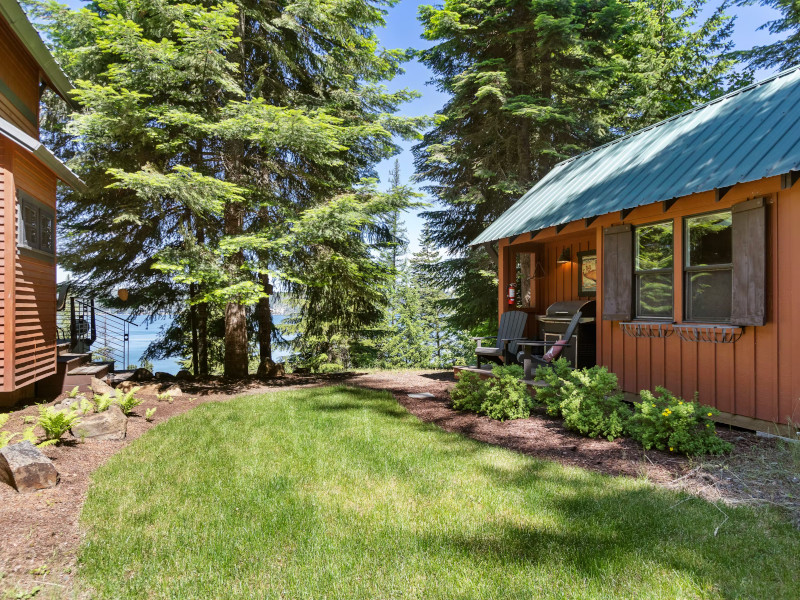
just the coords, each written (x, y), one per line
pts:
(340, 493)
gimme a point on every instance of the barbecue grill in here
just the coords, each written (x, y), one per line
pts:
(553, 324)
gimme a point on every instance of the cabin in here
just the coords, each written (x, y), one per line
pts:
(29, 175)
(682, 241)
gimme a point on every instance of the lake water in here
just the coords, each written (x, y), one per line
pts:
(142, 335)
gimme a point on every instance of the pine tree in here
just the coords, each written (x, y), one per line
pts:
(224, 141)
(782, 54)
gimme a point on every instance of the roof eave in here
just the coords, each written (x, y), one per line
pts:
(47, 158)
(17, 19)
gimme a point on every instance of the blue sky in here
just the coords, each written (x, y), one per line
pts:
(404, 31)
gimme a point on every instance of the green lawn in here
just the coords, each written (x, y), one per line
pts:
(340, 493)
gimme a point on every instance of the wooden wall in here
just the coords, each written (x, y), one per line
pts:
(19, 83)
(29, 334)
(754, 377)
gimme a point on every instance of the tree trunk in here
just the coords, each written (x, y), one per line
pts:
(193, 320)
(202, 337)
(264, 318)
(236, 355)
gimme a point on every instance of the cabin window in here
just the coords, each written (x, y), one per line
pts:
(36, 224)
(653, 260)
(709, 267)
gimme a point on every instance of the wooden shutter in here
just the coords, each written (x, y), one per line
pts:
(749, 305)
(618, 273)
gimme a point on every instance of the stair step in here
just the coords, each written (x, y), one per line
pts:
(69, 361)
(91, 369)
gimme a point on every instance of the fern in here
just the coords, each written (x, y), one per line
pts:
(84, 407)
(103, 402)
(74, 392)
(150, 413)
(6, 437)
(128, 401)
(56, 422)
(4, 419)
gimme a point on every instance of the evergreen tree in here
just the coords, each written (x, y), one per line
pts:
(782, 54)
(219, 138)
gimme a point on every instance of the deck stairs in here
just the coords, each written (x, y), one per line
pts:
(75, 369)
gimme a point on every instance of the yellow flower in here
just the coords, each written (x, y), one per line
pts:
(708, 424)
(670, 449)
(710, 414)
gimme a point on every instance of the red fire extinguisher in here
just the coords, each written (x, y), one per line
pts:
(512, 293)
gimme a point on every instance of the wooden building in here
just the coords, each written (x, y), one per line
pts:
(687, 236)
(29, 174)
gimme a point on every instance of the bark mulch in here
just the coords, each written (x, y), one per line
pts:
(41, 533)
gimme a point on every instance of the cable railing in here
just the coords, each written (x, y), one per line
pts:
(91, 329)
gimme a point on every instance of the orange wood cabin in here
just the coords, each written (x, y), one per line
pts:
(711, 304)
(29, 174)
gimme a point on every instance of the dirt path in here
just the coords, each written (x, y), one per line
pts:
(41, 531)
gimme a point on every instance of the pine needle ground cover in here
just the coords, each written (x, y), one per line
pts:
(340, 493)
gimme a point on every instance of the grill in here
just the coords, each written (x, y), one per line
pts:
(553, 324)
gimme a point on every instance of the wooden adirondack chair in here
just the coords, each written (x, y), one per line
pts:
(511, 331)
(548, 355)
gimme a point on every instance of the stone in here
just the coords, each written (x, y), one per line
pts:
(100, 387)
(127, 386)
(277, 370)
(26, 469)
(164, 376)
(141, 375)
(173, 390)
(183, 375)
(111, 424)
(421, 396)
(150, 389)
(66, 403)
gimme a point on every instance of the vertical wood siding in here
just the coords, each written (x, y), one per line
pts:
(19, 77)
(755, 377)
(5, 184)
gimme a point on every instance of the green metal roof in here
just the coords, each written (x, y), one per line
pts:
(743, 136)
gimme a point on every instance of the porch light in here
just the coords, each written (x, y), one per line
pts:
(565, 256)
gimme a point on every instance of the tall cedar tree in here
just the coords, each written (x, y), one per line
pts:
(532, 83)
(235, 140)
(782, 54)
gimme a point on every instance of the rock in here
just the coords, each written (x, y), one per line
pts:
(164, 376)
(127, 386)
(141, 375)
(173, 390)
(111, 424)
(277, 370)
(150, 389)
(100, 387)
(183, 375)
(26, 469)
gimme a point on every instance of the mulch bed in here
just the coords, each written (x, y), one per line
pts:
(41, 530)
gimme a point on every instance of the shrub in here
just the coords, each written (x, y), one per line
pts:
(667, 422)
(56, 422)
(469, 392)
(592, 403)
(128, 401)
(556, 376)
(506, 395)
(103, 402)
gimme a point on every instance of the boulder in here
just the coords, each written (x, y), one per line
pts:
(111, 424)
(26, 469)
(277, 370)
(164, 376)
(173, 390)
(127, 386)
(150, 389)
(141, 375)
(68, 402)
(184, 375)
(100, 387)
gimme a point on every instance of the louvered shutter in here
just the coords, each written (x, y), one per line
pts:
(618, 273)
(749, 305)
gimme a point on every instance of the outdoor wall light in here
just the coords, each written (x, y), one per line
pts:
(564, 257)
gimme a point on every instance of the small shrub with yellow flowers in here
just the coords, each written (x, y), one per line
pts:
(667, 422)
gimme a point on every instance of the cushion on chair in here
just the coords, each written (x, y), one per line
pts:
(553, 353)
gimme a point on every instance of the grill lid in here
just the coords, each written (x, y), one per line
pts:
(568, 309)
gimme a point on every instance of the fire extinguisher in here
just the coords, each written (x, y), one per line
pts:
(512, 293)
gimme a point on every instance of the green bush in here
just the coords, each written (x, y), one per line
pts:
(556, 376)
(592, 403)
(469, 392)
(667, 422)
(506, 395)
